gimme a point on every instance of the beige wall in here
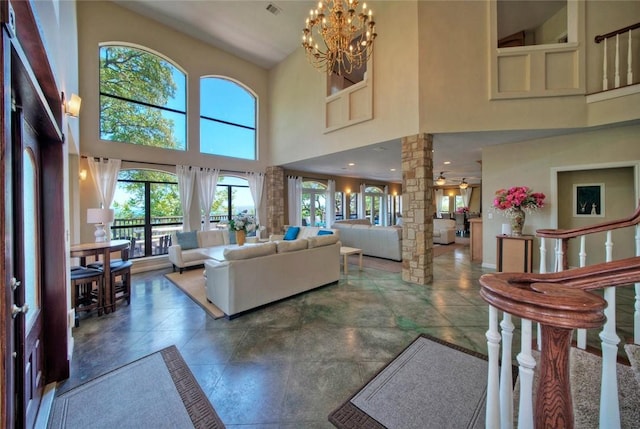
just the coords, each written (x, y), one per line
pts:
(536, 163)
(298, 91)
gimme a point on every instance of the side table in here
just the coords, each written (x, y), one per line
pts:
(345, 252)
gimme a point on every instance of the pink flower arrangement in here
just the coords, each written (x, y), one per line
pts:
(463, 210)
(518, 197)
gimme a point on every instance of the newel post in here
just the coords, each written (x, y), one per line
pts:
(554, 406)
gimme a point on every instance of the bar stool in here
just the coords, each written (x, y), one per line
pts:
(86, 285)
(120, 278)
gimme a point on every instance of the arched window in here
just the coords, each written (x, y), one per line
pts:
(373, 204)
(314, 196)
(227, 119)
(147, 210)
(142, 98)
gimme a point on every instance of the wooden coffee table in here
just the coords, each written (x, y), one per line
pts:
(345, 252)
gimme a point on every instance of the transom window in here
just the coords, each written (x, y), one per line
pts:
(142, 98)
(227, 119)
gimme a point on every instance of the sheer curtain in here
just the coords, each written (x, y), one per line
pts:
(438, 196)
(466, 195)
(384, 215)
(361, 212)
(256, 185)
(330, 209)
(295, 200)
(105, 176)
(186, 176)
(207, 179)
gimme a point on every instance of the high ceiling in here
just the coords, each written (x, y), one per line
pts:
(250, 31)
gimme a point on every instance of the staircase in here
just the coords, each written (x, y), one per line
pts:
(569, 386)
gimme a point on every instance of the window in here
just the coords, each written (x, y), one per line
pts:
(232, 197)
(339, 205)
(445, 204)
(373, 204)
(353, 206)
(142, 98)
(524, 23)
(459, 202)
(313, 203)
(147, 210)
(227, 119)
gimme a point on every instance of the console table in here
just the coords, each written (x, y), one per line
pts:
(515, 254)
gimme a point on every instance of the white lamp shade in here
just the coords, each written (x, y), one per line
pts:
(100, 215)
(506, 229)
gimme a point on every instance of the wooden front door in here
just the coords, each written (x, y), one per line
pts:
(27, 258)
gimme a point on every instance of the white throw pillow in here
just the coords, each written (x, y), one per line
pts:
(322, 240)
(247, 252)
(292, 245)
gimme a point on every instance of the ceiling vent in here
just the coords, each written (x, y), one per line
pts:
(273, 9)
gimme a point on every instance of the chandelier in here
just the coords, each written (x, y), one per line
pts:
(345, 36)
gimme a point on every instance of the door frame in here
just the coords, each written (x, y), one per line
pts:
(27, 71)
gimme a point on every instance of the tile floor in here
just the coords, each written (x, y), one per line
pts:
(290, 364)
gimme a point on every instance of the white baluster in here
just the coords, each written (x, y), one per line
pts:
(506, 378)
(609, 406)
(492, 418)
(582, 333)
(543, 255)
(617, 74)
(559, 256)
(526, 366)
(629, 58)
(605, 81)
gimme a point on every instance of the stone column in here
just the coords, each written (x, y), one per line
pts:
(418, 208)
(275, 199)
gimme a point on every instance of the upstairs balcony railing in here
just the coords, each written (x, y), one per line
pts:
(617, 44)
(560, 302)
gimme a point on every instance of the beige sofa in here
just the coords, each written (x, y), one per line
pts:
(207, 242)
(444, 231)
(259, 274)
(379, 241)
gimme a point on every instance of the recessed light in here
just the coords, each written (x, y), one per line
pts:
(447, 162)
(351, 164)
(392, 169)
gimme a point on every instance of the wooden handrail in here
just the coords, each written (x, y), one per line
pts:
(560, 302)
(601, 37)
(634, 219)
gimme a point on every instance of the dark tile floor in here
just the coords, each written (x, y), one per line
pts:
(290, 364)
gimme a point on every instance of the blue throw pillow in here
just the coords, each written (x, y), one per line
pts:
(187, 240)
(325, 232)
(292, 233)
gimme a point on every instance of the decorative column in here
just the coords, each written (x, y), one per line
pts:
(274, 181)
(418, 209)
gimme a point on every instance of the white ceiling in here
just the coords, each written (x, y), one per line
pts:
(248, 30)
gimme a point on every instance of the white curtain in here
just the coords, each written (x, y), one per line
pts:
(361, 211)
(466, 195)
(330, 208)
(207, 179)
(295, 200)
(256, 185)
(105, 176)
(186, 176)
(384, 215)
(438, 196)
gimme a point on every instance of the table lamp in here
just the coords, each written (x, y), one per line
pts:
(100, 217)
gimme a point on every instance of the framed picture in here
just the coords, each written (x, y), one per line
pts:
(588, 200)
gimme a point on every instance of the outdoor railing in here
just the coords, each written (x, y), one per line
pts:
(559, 302)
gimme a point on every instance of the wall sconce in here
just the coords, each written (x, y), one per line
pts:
(348, 191)
(72, 107)
(83, 174)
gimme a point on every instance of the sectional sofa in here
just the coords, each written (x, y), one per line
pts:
(254, 275)
(379, 241)
(192, 249)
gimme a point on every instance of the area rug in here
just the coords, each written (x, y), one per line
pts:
(191, 282)
(431, 384)
(156, 391)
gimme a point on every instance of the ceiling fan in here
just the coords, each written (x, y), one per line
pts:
(440, 180)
